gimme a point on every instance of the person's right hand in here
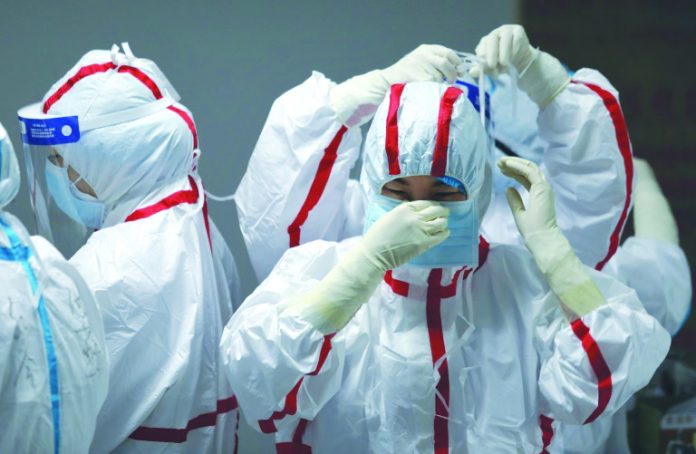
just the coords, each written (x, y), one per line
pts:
(427, 62)
(404, 233)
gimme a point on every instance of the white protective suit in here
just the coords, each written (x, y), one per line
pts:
(163, 276)
(53, 361)
(657, 270)
(438, 360)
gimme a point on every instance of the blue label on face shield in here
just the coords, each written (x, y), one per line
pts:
(50, 131)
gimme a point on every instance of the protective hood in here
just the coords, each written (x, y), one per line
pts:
(129, 158)
(9, 170)
(428, 128)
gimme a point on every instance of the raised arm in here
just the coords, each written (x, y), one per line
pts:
(297, 188)
(587, 159)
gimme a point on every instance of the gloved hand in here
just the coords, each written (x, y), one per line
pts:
(428, 62)
(555, 258)
(356, 99)
(405, 232)
(541, 75)
(652, 217)
(400, 235)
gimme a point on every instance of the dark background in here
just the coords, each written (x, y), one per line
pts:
(229, 60)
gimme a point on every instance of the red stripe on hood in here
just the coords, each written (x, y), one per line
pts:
(443, 129)
(391, 139)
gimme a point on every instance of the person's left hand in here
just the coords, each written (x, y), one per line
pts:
(504, 46)
(540, 214)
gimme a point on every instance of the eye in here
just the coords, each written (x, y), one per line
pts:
(395, 192)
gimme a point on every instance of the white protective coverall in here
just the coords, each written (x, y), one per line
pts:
(438, 360)
(656, 269)
(164, 279)
(53, 361)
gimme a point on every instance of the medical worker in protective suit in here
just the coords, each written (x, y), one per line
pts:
(419, 336)
(110, 151)
(651, 262)
(53, 361)
(313, 130)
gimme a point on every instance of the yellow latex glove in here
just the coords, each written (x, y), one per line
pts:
(400, 235)
(541, 75)
(536, 222)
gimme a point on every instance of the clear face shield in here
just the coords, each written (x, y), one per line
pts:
(66, 207)
(53, 191)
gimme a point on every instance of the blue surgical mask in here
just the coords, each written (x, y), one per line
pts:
(80, 207)
(459, 249)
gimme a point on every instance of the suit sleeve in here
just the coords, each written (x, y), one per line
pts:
(659, 273)
(593, 365)
(589, 165)
(295, 185)
(280, 367)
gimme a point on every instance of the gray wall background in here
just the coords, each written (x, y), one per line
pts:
(229, 60)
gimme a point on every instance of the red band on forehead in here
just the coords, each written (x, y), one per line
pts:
(89, 70)
(85, 71)
(391, 142)
(443, 127)
(144, 78)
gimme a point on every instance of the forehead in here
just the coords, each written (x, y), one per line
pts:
(418, 180)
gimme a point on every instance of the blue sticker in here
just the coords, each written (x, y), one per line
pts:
(50, 131)
(472, 94)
